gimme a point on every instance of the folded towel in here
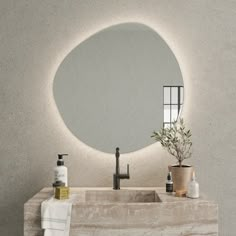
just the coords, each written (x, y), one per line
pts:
(55, 217)
(55, 232)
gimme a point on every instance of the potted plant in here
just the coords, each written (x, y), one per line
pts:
(177, 141)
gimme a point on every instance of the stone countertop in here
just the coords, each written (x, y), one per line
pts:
(149, 211)
(46, 193)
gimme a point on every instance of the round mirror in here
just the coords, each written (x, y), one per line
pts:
(117, 86)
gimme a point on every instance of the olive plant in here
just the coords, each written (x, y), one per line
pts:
(176, 140)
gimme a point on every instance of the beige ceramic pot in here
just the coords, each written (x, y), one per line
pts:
(181, 176)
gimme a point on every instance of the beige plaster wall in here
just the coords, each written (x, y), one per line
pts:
(35, 36)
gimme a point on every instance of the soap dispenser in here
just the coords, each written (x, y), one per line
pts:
(193, 188)
(169, 183)
(60, 171)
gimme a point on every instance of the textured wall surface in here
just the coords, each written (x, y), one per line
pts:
(35, 36)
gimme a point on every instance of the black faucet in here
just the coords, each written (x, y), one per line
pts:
(117, 176)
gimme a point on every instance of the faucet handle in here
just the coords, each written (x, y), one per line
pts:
(128, 169)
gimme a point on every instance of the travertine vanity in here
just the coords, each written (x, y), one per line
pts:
(129, 212)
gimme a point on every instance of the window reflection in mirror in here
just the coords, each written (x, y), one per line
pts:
(173, 97)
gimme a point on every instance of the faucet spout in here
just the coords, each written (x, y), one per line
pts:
(117, 161)
(117, 176)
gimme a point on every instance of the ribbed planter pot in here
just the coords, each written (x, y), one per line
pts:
(181, 176)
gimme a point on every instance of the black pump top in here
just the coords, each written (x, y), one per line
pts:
(60, 161)
(169, 176)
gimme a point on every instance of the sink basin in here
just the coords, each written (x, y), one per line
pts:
(122, 196)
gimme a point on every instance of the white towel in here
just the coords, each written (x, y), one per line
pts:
(55, 217)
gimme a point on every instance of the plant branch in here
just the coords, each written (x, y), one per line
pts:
(176, 140)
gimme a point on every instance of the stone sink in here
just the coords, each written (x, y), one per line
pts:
(129, 212)
(122, 196)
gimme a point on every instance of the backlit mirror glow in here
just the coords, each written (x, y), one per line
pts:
(109, 90)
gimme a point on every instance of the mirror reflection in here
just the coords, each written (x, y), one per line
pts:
(117, 86)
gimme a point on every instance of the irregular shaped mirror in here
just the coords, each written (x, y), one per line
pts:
(110, 89)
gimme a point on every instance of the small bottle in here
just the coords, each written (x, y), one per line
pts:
(169, 183)
(60, 171)
(193, 188)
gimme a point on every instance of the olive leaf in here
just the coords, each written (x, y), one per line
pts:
(176, 140)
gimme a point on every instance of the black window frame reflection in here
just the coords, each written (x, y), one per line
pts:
(179, 103)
